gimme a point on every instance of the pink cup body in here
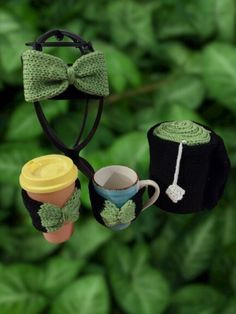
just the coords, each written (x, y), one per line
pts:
(59, 199)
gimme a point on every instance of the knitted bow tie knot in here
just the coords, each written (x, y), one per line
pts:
(53, 217)
(46, 76)
(71, 75)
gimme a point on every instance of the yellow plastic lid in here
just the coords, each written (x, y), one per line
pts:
(49, 173)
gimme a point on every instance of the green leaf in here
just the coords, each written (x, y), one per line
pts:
(24, 244)
(188, 18)
(88, 295)
(220, 74)
(223, 270)
(230, 307)
(179, 112)
(194, 250)
(59, 273)
(24, 123)
(228, 134)
(67, 125)
(122, 70)
(88, 238)
(179, 57)
(7, 23)
(24, 14)
(225, 19)
(186, 91)
(196, 299)
(137, 287)
(7, 192)
(17, 290)
(131, 22)
(33, 246)
(163, 112)
(11, 49)
(164, 244)
(131, 150)
(141, 255)
(227, 223)
(119, 119)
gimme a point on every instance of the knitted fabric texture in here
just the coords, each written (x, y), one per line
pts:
(108, 214)
(178, 131)
(46, 76)
(53, 217)
(48, 217)
(112, 215)
(204, 170)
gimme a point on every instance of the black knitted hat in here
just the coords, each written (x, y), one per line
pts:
(190, 163)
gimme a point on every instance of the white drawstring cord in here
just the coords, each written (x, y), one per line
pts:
(174, 191)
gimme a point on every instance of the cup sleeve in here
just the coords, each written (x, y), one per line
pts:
(32, 207)
(97, 202)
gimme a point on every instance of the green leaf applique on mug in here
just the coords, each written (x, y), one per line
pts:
(112, 215)
(53, 217)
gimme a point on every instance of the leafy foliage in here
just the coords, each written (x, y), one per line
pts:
(167, 60)
(89, 295)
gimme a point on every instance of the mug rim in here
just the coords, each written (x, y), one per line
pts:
(116, 166)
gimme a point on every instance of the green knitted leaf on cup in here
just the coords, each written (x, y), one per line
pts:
(127, 212)
(53, 217)
(70, 210)
(112, 215)
(177, 131)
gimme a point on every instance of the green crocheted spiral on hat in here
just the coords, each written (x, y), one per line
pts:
(178, 131)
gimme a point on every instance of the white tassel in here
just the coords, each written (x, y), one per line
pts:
(174, 191)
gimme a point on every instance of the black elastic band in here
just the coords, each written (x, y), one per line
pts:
(55, 44)
(59, 34)
(78, 41)
(90, 135)
(83, 124)
(54, 138)
(47, 129)
(73, 153)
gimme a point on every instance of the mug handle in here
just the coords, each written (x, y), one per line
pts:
(152, 200)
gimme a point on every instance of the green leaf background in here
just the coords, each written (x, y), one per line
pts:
(167, 60)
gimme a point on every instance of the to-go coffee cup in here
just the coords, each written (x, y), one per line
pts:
(48, 183)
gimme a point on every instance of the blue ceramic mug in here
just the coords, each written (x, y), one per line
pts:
(118, 184)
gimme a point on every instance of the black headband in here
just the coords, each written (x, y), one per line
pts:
(71, 93)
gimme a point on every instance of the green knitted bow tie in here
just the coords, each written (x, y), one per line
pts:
(53, 217)
(46, 76)
(113, 215)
